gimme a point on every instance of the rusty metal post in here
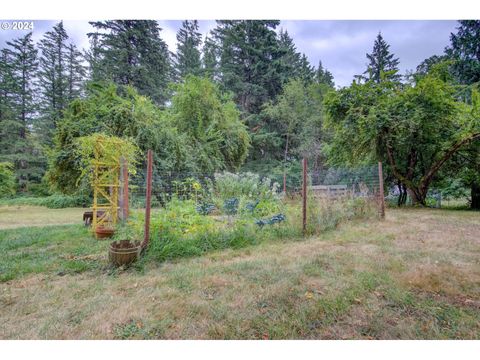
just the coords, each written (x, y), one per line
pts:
(125, 190)
(148, 198)
(304, 196)
(381, 191)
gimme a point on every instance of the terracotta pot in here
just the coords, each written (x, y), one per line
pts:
(124, 252)
(102, 232)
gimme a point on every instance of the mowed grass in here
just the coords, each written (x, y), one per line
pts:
(58, 250)
(415, 275)
(16, 216)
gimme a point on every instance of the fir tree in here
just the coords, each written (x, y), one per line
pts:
(53, 79)
(290, 59)
(210, 58)
(323, 76)
(75, 72)
(249, 61)
(465, 50)
(306, 72)
(382, 64)
(24, 64)
(131, 52)
(187, 58)
(19, 147)
(93, 58)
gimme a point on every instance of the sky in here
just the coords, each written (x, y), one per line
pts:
(341, 45)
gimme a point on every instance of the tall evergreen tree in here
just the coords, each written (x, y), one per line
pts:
(187, 57)
(306, 72)
(323, 76)
(53, 79)
(24, 65)
(8, 126)
(22, 57)
(465, 50)
(75, 72)
(382, 64)
(210, 58)
(290, 59)
(93, 58)
(7, 87)
(249, 61)
(131, 52)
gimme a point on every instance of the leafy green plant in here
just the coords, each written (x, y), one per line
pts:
(250, 185)
(56, 201)
(108, 150)
(7, 179)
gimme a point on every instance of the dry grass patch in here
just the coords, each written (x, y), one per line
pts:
(364, 280)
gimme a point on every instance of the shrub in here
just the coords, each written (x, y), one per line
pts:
(229, 185)
(242, 191)
(326, 213)
(178, 230)
(7, 179)
(56, 201)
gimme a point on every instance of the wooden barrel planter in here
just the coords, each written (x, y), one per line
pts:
(124, 252)
(102, 232)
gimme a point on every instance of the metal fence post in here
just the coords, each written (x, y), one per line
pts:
(381, 190)
(148, 198)
(304, 196)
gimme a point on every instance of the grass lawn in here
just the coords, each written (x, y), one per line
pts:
(415, 275)
(16, 216)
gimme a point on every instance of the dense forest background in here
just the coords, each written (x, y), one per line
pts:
(240, 98)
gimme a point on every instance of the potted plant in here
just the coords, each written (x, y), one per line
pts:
(103, 232)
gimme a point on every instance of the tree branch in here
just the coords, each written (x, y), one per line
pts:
(448, 154)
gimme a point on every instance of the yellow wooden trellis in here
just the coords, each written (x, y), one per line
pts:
(105, 188)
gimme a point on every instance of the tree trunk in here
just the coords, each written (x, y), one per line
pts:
(475, 193)
(418, 195)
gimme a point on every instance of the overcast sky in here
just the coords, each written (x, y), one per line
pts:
(340, 45)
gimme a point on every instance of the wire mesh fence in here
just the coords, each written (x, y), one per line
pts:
(355, 182)
(230, 194)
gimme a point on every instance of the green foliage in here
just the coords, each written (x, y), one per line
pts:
(131, 52)
(113, 111)
(107, 150)
(55, 201)
(249, 61)
(382, 64)
(7, 179)
(416, 128)
(18, 108)
(211, 124)
(178, 230)
(296, 118)
(464, 49)
(327, 214)
(61, 76)
(249, 185)
(187, 57)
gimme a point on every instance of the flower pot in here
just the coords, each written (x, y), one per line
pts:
(124, 252)
(102, 232)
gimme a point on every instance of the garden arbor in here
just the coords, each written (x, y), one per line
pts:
(105, 183)
(102, 158)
